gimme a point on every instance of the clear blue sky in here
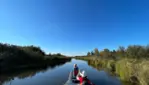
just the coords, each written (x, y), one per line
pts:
(73, 27)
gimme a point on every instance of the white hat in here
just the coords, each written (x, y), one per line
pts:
(83, 74)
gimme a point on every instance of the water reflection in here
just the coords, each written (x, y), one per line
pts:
(26, 73)
(58, 75)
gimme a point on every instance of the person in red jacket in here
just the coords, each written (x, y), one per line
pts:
(75, 71)
(83, 79)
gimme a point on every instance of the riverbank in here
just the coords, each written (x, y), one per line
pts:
(42, 64)
(22, 72)
(135, 71)
(13, 58)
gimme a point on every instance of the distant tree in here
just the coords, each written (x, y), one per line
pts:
(105, 53)
(114, 51)
(132, 51)
(88, 54)
(121, 52)
(106, 50)
(20, 55)
(92, 53)
(12, 55)
(121, 49)
(59, 54)
(96, 52)
(136, 51)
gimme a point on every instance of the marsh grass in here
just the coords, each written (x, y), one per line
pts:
(134, 71)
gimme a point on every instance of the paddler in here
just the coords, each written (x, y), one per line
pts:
(75, 71)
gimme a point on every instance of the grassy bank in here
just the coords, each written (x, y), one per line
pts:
(135, 71)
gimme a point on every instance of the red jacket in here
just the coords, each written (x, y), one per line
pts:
(84, 80)
(76, 71)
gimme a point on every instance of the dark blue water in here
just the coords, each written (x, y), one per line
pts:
(59, 75)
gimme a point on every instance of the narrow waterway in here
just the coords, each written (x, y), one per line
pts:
(59, 75)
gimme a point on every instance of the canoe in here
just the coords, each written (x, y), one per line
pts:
(70, 81)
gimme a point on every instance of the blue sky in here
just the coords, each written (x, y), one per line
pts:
(74, 27)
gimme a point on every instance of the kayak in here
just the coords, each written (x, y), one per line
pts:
(69, 82)
(72, 81)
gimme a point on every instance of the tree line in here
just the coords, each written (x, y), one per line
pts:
(13, 56)
(132, 51)
(22, 54)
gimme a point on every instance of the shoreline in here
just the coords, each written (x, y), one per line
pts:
(134, 71)
(43, 64)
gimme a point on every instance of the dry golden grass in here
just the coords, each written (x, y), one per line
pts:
(129, 70)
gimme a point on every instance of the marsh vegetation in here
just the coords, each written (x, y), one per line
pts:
(130, 64)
